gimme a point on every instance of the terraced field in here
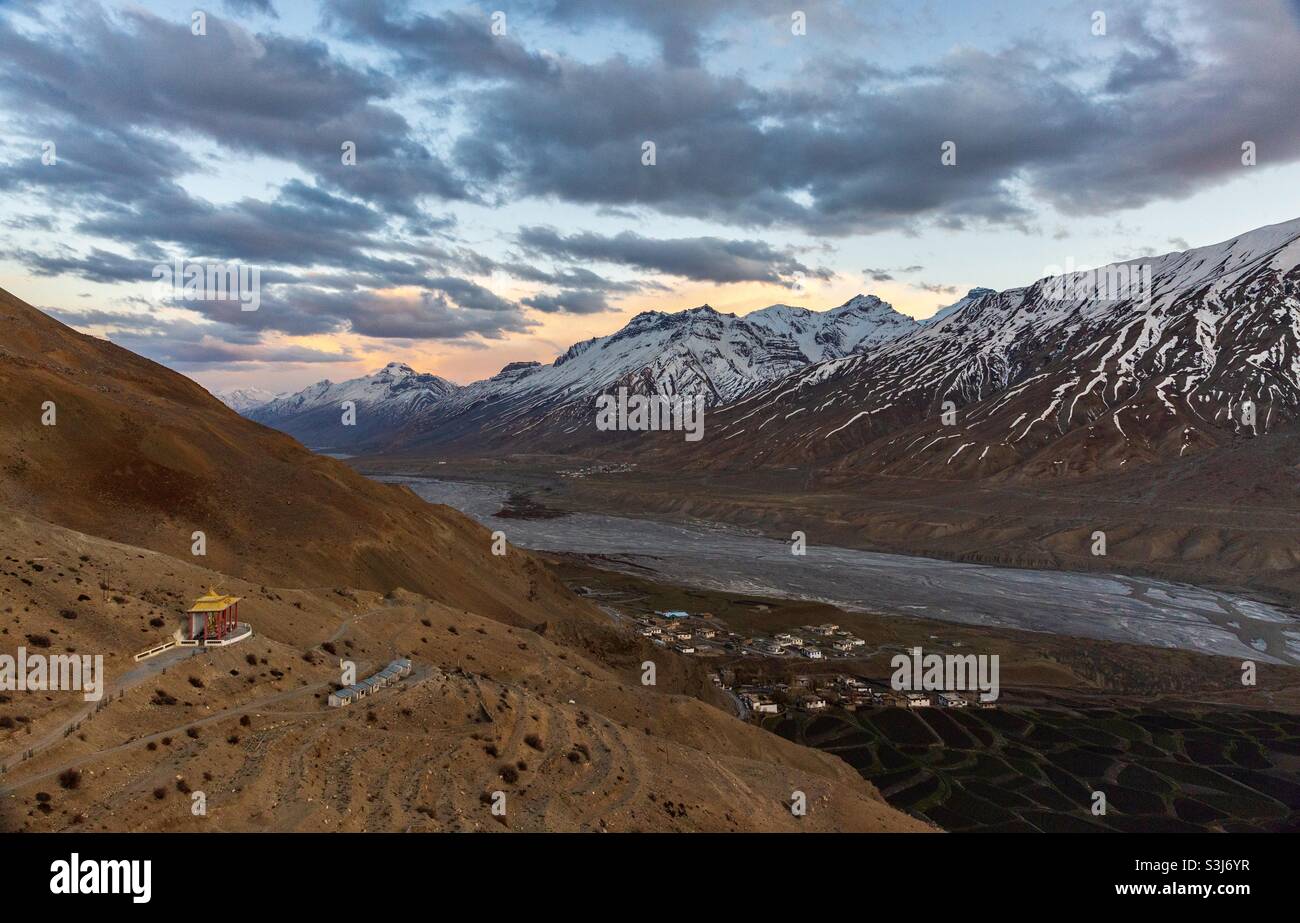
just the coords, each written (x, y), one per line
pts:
(1035, 768)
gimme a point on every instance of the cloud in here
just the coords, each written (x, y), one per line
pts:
(189, 345)
(245, 7)
(98, 266)
(446, 115)
(569, 301)
(431, 315)
(681, 27)
(862, 154)
(301, 225)
(701, 259)
(448, 46)
(263, 94)
(577, 277)
(1147, 58)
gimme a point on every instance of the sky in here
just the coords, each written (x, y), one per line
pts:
(460, 186)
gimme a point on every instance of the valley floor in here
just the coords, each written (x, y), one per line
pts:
(1173, 739)
(1221, 522)
(700, 551)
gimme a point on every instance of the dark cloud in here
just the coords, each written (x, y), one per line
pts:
(863, 154)
(92, 163)
(1147, 58)
(448, 46)
(470, 295)
(263, 94)
(703, 259)
(301, 226)
(31, 222)
(188, 345)
(98, 266)
(570, 301)
(577, 277)
(430, 315)
(245, 7)
(681, 27)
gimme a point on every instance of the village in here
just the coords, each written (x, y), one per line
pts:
(704, 635)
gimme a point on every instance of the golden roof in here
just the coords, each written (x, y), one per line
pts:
(212, 601)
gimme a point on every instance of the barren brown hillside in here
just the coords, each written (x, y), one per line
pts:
(142, 455)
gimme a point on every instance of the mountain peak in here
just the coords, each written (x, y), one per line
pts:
(862, 302)
(970, 297)
(515, 368)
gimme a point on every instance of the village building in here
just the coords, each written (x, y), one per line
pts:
(760, 704)
(390, 674)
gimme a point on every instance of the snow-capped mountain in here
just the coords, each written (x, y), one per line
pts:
(693, 352)
(383, 402)
(722, 356)
(974, 294)
(1142, 360)
(242, 400)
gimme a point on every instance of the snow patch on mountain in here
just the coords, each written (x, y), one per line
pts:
(242, 400)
